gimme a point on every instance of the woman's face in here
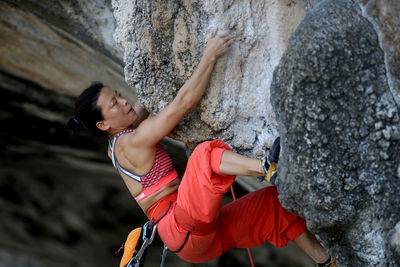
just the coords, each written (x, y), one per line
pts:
(117, 112)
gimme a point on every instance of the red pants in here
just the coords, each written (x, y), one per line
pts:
(197, 207)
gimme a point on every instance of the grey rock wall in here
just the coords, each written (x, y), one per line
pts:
(340, 129)
(385, 18)
(61, 201)
(164, 40)
(335, 96)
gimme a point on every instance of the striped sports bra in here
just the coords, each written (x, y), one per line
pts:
(160, 174)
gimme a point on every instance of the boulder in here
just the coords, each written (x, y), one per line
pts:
(340, 130)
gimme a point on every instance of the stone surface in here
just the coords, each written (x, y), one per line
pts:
(164, 40)
(340, 130)
(385, 17)
(339, 83)
(61, 201)
(63, 45)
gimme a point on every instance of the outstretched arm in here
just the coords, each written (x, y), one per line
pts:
(154, 129)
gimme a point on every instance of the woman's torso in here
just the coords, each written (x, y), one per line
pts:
(152, 177)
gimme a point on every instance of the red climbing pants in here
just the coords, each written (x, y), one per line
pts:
(197, 215)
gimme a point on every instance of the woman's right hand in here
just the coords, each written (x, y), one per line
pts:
(217, 45)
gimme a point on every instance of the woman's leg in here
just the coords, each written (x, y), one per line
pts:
(198, 205)
(310, 245)
(236, 164)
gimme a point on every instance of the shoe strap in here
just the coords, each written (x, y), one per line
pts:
(271, 171)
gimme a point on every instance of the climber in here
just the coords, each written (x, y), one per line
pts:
(195, 225)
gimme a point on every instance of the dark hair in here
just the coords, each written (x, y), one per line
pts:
(87, 113)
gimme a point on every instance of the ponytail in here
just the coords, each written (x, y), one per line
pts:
(87, 113)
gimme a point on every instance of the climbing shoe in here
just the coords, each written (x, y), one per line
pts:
(269, 163)
(331, 262)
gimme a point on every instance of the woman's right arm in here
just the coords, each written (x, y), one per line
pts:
(152, 130)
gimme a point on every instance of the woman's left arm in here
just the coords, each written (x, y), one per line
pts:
(141, 112)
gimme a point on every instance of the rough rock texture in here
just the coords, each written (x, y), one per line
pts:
(351, 200)
(385, 17)
(63, 45)
(340, 130)
(61, 201)
(336, 94)
(308, 4)
(164, 40)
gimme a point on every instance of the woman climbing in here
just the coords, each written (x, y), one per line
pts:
(195, 225)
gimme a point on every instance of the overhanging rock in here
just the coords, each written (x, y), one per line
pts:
(340, 130)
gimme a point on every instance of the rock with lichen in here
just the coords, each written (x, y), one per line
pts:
(340, 128)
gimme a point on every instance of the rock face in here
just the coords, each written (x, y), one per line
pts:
(61, 201)
(385, 18)
(61, 45)
(340, 129)
(335, 95)
(164, 40)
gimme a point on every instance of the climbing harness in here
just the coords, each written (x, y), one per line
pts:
(138, 240)
(147, 240)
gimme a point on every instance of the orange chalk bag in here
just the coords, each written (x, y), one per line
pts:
(136, 244)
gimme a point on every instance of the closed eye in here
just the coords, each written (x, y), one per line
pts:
(113, 101)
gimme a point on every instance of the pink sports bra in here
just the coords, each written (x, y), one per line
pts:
(160, 174)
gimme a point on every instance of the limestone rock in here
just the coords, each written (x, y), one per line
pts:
(340, 130)
(164, 40)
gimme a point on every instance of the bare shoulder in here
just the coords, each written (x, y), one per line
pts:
(137, 157)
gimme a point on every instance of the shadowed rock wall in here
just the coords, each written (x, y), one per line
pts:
(63, 45)
(340, 130)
